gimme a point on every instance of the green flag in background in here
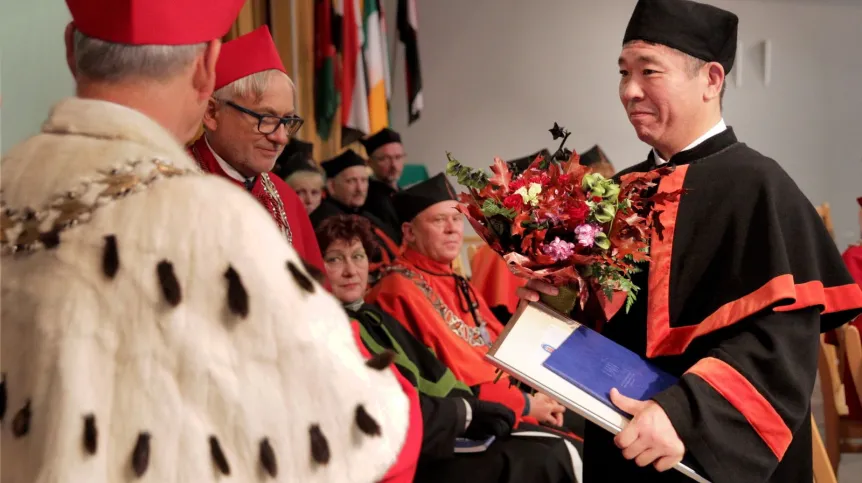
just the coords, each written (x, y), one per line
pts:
(326, 96)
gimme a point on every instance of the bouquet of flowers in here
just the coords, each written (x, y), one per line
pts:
(557, 222)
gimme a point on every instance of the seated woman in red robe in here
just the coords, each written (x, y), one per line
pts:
(451, 411)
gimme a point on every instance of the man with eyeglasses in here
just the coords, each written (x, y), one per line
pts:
(386, 159)
(247, 124)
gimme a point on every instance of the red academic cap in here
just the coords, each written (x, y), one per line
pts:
(243, 56)
(154, 22)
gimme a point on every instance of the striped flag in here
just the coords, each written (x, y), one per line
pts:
(354, 93)
(408, 31)
(376, 65)
(326, 96)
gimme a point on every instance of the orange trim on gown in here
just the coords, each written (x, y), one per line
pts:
(493, 280)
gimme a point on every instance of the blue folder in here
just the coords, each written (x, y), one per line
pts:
(596, 364)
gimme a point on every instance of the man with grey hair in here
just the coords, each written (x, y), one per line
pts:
(145, 338)
(247, 124)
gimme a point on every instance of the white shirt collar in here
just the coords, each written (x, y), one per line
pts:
(227, 168)
(718, 128)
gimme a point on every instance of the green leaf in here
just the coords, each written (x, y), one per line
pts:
(602, 241)
(471, 178)
(491, 208)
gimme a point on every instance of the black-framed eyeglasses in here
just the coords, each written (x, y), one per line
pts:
(268, 124)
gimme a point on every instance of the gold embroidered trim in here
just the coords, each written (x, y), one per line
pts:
(277, 206)
(470, 335)
(28, 230)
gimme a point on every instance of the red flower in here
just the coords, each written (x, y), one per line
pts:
(513, 201)
(563, 179)
(578, 213)
(597, 199)
(516, 184)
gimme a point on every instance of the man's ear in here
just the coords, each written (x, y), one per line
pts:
(715, 80)
(407, 232)
(69, 37)
(211, 115)
(329, 186)
(204, 75)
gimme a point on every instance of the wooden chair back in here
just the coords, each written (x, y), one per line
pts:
(823, 471)
(825, 213)
(853, 351)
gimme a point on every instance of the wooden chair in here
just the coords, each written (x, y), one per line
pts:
(825, 213)
(840, 430)
(823, 470)
(853, 350)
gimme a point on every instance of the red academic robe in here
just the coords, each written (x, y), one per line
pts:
(285, 206)
(443, 322)
(493, 279)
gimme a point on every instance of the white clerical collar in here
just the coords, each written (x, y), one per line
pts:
(227, 168)
(718, 128)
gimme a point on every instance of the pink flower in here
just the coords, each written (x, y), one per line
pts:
(587, 234)
(559, 249)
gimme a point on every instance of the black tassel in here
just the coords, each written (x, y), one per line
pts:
(3, 397)
(141, 454)
(300, 278)
(218, 456)
(50, 239)
(381, 361)
(315, 272)
(90, 434)
(366, 423)
(21, 423)
(319, 445)
(168, 281)
(111, 257)
(237, 297)
(267, 458)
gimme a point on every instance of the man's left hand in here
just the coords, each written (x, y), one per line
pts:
(650, 437)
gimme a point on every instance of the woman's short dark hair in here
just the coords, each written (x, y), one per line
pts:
(347, 228)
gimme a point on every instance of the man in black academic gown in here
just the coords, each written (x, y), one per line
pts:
(346, 191)
(386, 159)
(742, 280)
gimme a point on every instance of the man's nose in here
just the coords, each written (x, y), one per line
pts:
(279, 136)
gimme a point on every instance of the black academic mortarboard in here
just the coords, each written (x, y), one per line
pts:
(702, 31)
(517, 166)
(413, 200)
(592, 156)
(380, 138)
(297, 156)
(347, 159)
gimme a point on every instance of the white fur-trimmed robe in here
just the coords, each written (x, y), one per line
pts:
(77, 342)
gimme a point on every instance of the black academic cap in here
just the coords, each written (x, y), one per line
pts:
(380, 138)
(702, 31)
(592, 156)
(413, 200)
(520, 165)
(297, 156)
(345, 160)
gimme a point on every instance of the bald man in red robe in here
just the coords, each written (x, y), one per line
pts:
(248, 122)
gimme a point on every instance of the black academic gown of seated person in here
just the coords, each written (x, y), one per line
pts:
(379, 204)
(536, 459)
(742, 280)
(384, 232)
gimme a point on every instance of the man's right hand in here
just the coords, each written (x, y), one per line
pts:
(546, 410)
(531, 291)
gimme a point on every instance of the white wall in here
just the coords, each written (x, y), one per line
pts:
(498, 73)
(33, 71)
